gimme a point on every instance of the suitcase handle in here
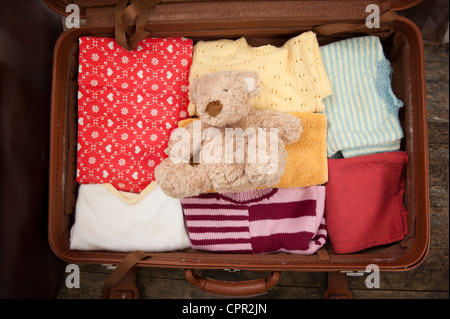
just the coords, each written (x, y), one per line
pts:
(233, 289)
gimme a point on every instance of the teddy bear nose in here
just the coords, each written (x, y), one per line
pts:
(214, 108)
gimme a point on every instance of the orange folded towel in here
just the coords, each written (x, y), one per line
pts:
(307, 158)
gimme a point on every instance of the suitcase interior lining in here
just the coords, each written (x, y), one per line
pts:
(397, 50)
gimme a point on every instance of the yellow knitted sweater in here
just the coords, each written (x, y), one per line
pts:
(293, 76)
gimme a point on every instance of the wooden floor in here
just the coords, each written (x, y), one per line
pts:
(429, 280)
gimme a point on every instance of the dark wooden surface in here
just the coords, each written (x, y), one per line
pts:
(429, 280)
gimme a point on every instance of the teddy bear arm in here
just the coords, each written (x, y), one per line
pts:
(180, 180)
(289, 126)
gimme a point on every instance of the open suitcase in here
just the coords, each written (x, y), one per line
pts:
(262, 22)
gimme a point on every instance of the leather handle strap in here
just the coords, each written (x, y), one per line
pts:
(337, 286)
(124, 16)
(121, 283)
(138, 11)
(335, 29)
(233, 289)
(120, 32)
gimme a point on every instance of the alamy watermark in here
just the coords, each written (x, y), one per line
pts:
(231, 145)
(373, 275)
(73, 279)
(73, 19)
(373, 19)
(373, 279)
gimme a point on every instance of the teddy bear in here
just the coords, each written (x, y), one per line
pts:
(231, 147)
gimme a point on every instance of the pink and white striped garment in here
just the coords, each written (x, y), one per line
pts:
(259, 221)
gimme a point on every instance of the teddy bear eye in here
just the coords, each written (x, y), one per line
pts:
(225, 90)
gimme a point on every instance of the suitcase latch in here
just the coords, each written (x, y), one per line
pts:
(358, 273)
(109, 266)
(232, 270)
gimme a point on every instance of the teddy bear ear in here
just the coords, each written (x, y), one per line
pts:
(250, 82)
(193, 91)
(253, 82)
(192, 95)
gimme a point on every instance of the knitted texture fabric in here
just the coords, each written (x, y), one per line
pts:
(306, 163)
(362, 111)
(258, 221)
(293, 76)
(108, 219)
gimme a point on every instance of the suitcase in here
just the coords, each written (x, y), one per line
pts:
(261, 22)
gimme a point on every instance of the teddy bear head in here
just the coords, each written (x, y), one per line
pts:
(224, 97)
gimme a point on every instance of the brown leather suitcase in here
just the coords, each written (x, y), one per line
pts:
(262, 22)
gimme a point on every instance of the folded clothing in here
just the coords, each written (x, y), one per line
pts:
(293, 76)
(362, 111)
(128, 103)
(108, 219)
(258, 221)
(364, 203)
(306, 163)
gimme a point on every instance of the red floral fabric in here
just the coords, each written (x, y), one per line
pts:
(128, 103)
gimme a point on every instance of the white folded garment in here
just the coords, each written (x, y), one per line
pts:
(106, 219)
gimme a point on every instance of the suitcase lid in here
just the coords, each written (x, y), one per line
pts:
(60, 6)
(135, 20)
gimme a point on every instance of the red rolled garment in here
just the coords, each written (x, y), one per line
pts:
(364, 203)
